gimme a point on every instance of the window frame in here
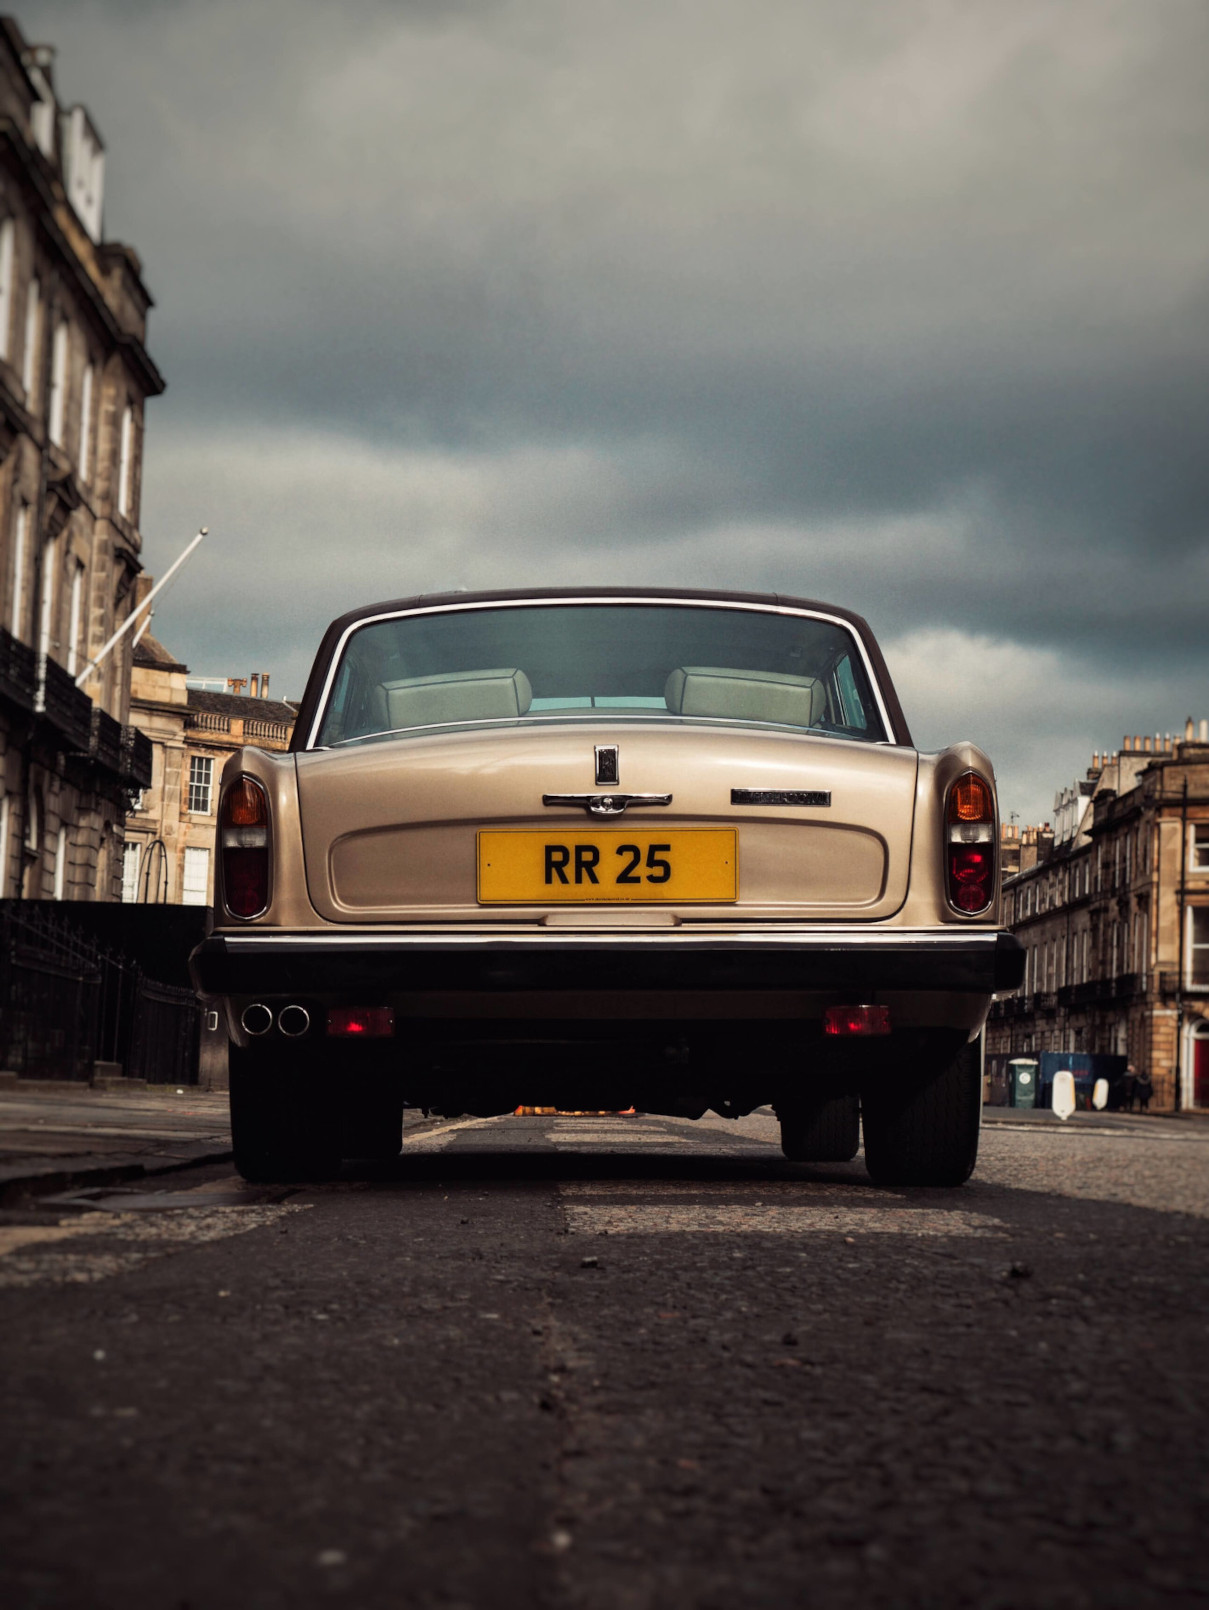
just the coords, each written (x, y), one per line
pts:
(194, 786)
(29, 357)
(194, 855)
(1193, 980)
(60, 365)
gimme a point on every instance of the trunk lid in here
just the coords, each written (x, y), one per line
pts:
(390, 829)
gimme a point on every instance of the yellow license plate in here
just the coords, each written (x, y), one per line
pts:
(608, 868)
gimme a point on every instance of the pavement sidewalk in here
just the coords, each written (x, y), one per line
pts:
(53, 1137)
(58, 1137)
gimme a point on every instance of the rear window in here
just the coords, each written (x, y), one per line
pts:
(643, 662)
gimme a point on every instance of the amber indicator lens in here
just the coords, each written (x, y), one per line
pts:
(970, 800)
(245, 805)
(361, 1022)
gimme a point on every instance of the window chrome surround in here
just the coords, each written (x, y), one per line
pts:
(603, 603)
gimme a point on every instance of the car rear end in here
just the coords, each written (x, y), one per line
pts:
(710, 886)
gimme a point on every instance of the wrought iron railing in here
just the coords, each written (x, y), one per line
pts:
(68, 1003)
(66, 706)
(105, 745)
(136, 757)
(18, 670)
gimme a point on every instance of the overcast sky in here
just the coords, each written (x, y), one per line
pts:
(900, 305)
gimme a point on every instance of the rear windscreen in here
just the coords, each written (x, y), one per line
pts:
(534, 663)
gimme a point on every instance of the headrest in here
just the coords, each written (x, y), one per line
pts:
(432, 701)
(710, 690)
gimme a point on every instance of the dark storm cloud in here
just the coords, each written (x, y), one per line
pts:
(905, 304)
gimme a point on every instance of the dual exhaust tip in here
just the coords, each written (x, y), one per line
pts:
(257, 1019)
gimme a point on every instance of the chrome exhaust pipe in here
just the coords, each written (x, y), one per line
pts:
(256, 1019)
(293, 1021)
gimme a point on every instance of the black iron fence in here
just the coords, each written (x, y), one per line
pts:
(67, 1003)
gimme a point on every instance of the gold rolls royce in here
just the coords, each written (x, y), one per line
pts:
(606, 848)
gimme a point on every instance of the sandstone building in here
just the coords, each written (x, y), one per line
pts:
(169, 851)
(1114, 916)
(74, 379)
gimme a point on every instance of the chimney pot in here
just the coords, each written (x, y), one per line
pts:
(254, 680)
(264, 684)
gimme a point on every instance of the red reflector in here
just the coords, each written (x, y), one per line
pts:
(246, 881)
(361, 1022)
(856, 1020)
(971, 876)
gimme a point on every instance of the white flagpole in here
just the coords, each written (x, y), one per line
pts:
(139, 608)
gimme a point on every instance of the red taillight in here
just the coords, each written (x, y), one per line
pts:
(244, 845)
(856, 1020)
(361, 1022)
(970, 843)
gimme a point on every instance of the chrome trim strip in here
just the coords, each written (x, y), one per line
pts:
(923, 938)
(606, 804)
(559, 603)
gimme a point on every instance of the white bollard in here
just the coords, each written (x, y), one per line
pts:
(1099, 1095)
(1063, 1098)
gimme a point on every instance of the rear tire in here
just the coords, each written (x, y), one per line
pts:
(825, 1131)
(283, 1129)
(922, 1130)
(373, 1126)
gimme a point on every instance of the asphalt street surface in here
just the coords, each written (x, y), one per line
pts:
(594, 1363)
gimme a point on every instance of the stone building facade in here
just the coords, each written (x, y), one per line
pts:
(1115, 921)
(169, 851)
(74, 379)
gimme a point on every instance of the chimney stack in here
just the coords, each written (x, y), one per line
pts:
(264, 684)
(254, 681)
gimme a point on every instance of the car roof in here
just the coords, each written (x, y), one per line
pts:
(336, 631)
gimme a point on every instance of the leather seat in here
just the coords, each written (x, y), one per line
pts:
(726, 694)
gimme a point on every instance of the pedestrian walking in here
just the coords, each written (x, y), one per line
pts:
(1127, 1087)
(1143, 1089)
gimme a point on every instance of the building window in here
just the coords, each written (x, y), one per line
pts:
(195, 890)
(77, 618)
(58, 384)
(29, 359)
(201, 782)
(126, 464)
(1200, 847)
(85, 454)
(48, 598)
(16, 612)
(61, 864)
(7, 235)
(131, 855)
(1198, 961)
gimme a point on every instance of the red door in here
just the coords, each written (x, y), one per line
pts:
(1200, 1071)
